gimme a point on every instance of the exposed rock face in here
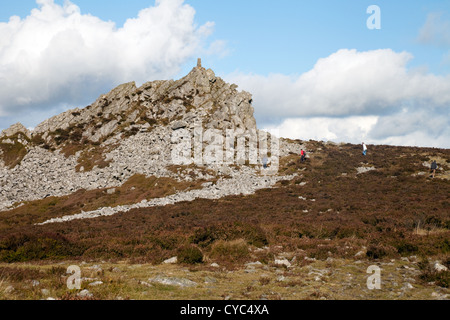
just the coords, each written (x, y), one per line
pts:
(125, 132)
(200, 97)
(14, 130)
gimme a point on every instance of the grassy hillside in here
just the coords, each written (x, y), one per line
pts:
(391, 211)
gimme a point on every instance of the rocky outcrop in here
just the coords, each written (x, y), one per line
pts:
(113, 103)
(125, 132)
(15, 129)
(200, 97)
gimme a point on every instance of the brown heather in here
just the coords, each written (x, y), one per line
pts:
(380, 210)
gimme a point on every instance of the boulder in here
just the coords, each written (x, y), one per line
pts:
(282, 262)
(85, 294)
(179, 125)
(173, 260)
(173, 281)
(438, 267)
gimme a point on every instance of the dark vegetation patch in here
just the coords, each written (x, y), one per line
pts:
(134, 190)
(430, 274)
(19, 274)
(380, 210)
(23, 247)
(131, 132)
(193, 169)
(13, 153)
(230, 252)
(190, 254)
(93, 157)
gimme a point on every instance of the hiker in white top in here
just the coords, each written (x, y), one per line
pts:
(364, 148)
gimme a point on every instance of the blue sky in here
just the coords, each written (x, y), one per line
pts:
(286, 36)
(257, 42)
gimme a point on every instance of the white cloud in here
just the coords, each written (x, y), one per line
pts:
(351, 95)
(347, 82)
(435, 31)
(218, 48)
(58, 56)
(349, 129)
(398, 129)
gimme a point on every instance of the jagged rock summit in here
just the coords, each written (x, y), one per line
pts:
(16, 129)
(199, 97)
(126, 132)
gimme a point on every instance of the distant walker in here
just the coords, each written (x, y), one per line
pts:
(303, 156)
(433, 169)
(364, 149)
